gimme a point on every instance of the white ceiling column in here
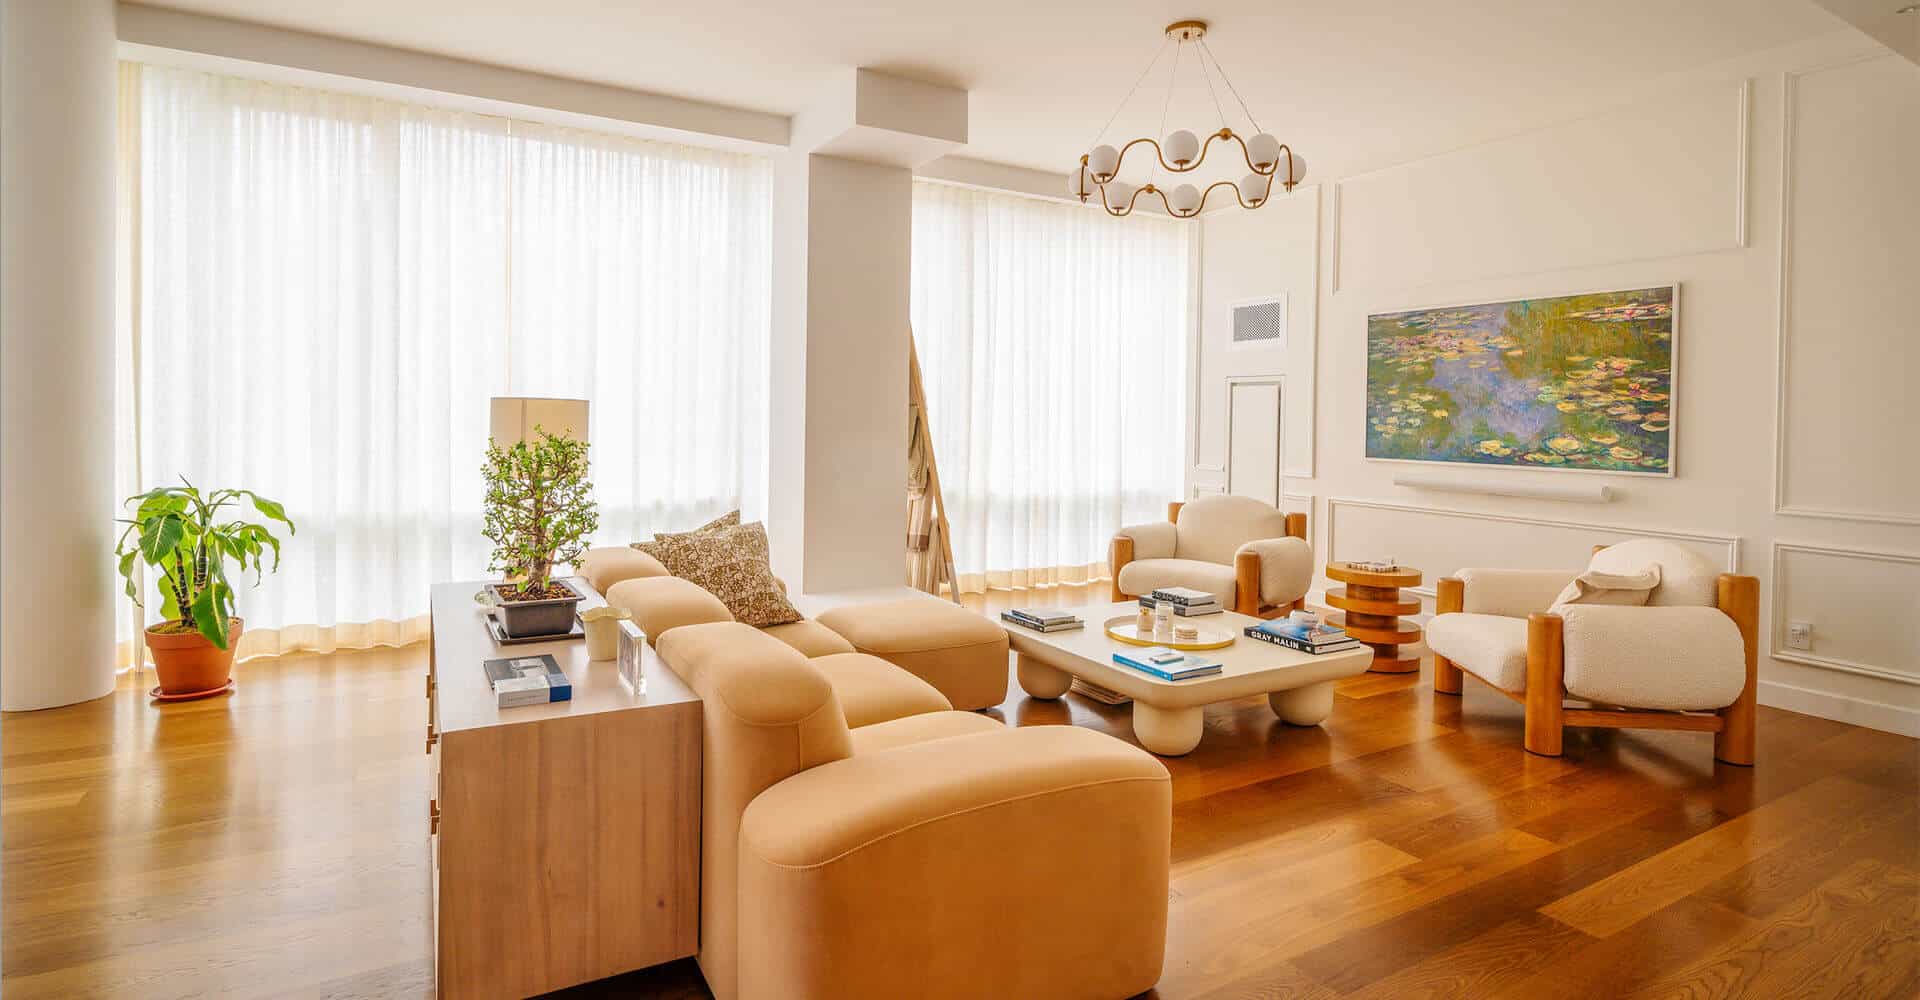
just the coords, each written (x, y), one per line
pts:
(57, 123)
(842, 232)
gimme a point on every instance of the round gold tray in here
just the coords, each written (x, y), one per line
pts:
(1123, 629)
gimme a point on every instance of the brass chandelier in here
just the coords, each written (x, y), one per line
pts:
(1181, 152)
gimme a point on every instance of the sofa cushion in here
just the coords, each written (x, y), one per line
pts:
(872, 690)
(961, 653)
(921, 728)
(1144, 576)
(1615, 589)
(604, 567)
(661, 603)
(810, 638)
(1211, 528)
(728, 520)
(731, 564)
(1686, 579)
(1490, 647)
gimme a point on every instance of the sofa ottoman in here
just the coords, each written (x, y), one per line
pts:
(961, 653)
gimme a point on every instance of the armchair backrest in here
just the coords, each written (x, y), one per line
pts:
(1686, 580)
(1212, 528)
(767, 714)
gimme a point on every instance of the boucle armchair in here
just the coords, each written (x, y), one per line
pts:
(937, 855)
(1679, 649)
(1252, 556)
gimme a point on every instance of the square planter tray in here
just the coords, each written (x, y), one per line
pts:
(499, 632)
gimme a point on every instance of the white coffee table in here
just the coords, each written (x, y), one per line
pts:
(1167, 714)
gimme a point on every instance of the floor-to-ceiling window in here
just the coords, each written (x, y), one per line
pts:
(1053, 340)
(321, 291)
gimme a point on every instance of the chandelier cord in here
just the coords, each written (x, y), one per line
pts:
(1230, 87)
(1162, 50)
(1173, 77)
(1211, 92)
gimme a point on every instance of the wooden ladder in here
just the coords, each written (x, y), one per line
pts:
(940, 545)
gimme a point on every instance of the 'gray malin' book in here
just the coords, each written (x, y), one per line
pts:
(527, 680)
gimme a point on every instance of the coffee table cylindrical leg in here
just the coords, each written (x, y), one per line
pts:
(1303, 706)
(1169, 732)
(1040, 680)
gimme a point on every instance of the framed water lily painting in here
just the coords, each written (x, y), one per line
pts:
(1571, 382)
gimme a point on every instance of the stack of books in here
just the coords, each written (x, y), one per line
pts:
(1167, 664)
(1043, 619)
(1305, 637)
(527, 680)
(1184, 600)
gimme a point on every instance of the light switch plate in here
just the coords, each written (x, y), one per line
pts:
(1800, 635)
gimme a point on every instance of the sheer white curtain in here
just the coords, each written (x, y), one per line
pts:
(1053, 343)
(327, 289)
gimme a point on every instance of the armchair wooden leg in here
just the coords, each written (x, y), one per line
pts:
(1739, 597)
(1545, 684)
(1450, 594)
(1119, 554)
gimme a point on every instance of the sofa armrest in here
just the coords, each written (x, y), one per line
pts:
(607, 565)
(1139, 541)
(873, 876)
(1512, 593)
(1675, 658)
(1150, 541)
(1281, 573)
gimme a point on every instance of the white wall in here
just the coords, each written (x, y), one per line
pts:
(57, 596)
(1777, 191)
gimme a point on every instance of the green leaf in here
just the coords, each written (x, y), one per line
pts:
(159, 538)
(271, 509)
(211, 619)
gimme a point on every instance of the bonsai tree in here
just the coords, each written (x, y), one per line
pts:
(539, 508)
(179, 531)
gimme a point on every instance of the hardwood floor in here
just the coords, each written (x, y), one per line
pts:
(273, 843)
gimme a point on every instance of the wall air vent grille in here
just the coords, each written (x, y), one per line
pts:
(1260, 323)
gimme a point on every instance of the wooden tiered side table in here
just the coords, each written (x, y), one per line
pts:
(1373, 607)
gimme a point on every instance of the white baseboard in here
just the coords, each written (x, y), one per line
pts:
(1840, 708)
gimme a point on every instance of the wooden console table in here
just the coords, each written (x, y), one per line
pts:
(1373, 607)
(566, 836)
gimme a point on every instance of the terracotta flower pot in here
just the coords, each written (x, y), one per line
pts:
(188, 663)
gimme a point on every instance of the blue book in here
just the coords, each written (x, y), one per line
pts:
(1317, 635)
(1184, 668)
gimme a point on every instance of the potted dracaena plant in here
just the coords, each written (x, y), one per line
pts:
(181, 532)
(539, 512)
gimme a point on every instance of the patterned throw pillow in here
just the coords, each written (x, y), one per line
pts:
(730, 519)
(731, 564)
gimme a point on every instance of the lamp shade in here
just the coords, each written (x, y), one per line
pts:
(513, 418)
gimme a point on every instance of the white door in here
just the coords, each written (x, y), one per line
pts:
(1253, 438)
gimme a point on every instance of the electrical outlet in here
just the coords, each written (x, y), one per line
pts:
(1800, 635)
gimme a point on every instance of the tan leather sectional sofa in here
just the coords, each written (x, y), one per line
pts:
(862, 839)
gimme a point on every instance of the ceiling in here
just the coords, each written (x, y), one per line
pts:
(1345, 82)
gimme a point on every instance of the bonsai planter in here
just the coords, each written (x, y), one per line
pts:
(190, 666)
(551, 616)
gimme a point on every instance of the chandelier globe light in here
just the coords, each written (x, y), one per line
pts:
(1097, 178)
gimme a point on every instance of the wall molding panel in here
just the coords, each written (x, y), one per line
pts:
(1783, 331)
(1731, 543)
(1841, 708)
(1464, 184)
(1777, 582)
